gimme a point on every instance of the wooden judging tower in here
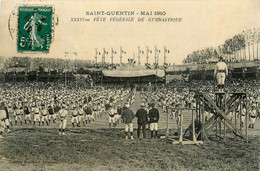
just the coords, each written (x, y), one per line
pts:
(228, 109)
(219, 110)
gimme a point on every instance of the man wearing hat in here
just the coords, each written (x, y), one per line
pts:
(221, 72)
(142, 120)
(154, 119)
(63, 114)
(128, 117)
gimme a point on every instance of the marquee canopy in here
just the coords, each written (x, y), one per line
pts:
(133, 73)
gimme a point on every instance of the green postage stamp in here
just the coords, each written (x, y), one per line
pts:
(34, 28)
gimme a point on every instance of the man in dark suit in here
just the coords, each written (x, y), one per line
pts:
(142, 120)
(128, 117)
(154, 119)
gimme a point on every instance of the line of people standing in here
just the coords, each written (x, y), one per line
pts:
(144, 117)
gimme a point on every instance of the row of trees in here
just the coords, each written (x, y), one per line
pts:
(36, 63)
(241, 47)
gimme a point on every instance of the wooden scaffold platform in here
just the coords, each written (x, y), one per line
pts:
(225, 106)
(227, 109)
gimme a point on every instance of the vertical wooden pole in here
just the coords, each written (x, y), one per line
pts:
(219, 120)
(180, 139)
(240, 115)
(216, 99)
(167, 122)
(246, 120)
(199, 119)
(202, 120)
(193, 127)
(216, 127)
(235, 114)
(225, 115)
(197, 109)
(221, 107)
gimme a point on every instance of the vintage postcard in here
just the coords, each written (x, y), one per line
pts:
(129, 85)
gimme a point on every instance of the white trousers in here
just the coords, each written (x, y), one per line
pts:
(253, 120)
(7, 122)
(221, 76)
(89, 117)
(28, 116)
(111, 119)
(81, 118)
(18, 117)
(118, 117)
(75, 118)
(36, 117)
(154, 126)
(63, 124)
(2, 126)
(53, 116)
(129, 127)
(45, 118)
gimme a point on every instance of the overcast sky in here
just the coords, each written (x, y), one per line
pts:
(204, 24)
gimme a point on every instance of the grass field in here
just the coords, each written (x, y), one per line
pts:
(95, 147)
(104, 149)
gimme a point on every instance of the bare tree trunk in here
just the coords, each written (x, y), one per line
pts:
(257, 50)
(253, 51)
(240, 55)
(244, 53)
(249, 51)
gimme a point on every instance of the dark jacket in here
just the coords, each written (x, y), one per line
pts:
(51, 111)
(128, 116)
(107, 106)
(119, 110)
(6, 111)
(88, 111)
(154, 115)
(142, 117)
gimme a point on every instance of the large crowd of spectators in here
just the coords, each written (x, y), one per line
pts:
(47, 98)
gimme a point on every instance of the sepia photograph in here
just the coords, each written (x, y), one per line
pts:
(129, 85)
